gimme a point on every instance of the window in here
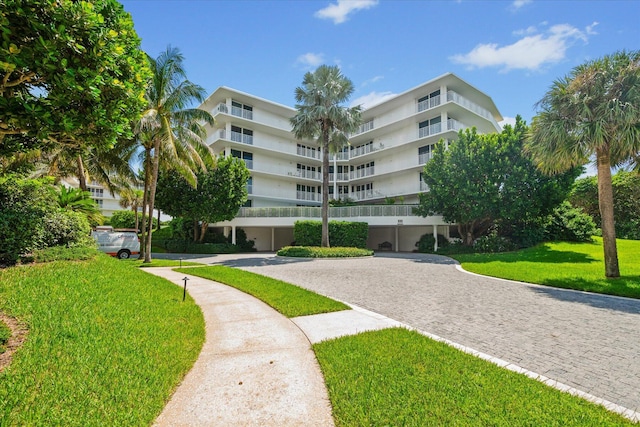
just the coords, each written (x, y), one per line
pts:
(241, 110)
(242, 135)
(247, 204)
(303, 150)
(429, 101)
(99, 202)
(429, 127)
(250, 185)
(424, 154)
(244, 155)
(96, 192)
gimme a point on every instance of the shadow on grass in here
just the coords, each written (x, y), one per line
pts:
(597, 294)
(542, 254)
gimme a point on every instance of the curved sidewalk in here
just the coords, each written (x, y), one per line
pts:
(256, 367)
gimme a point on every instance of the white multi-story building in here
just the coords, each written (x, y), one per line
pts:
(383, 162)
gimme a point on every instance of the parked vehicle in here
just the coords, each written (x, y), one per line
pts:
(118, 243)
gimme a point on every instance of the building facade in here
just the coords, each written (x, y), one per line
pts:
(382, 165)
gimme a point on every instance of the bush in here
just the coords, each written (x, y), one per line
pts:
(493, 243)
(67, 228)
(341, 233)
(127, 219)
(318, 252)
(570, 224)
(426, 243)
(25, 203)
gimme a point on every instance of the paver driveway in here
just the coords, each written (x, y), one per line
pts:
(587, 341)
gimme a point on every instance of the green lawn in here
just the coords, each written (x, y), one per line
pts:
(565, 265)
(159, 263)
(288, 299)
(397, 377)
(107, 343)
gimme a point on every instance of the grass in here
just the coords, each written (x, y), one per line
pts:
(577, 266)
(399, 377)
(288, 299)
(107, 343)
(319, 252)
(5, 334)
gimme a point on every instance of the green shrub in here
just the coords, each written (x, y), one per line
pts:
(426, 243)
(493, 243)
(341, 233)
(25, 204)
(127, 219)
(318, 252)
(67, 228)
(570, 224)
(63, 253)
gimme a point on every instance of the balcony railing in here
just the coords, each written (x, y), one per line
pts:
(365, 127)
(362, 195)
(334, 212)
(249, 189)
(429, 103)
(303, 173)
(424, 158)
(342, 155)
(307, 152)
(436, 128)
(242, 138)
(222, 108)
(470, 105)
(342, 176)
(241, 112)
(305, 195)
(364, 149)
(249, 163)
(424, 186)
(362, 172)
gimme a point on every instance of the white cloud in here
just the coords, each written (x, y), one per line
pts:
(530, 52)
(310, 60)
(590, 28)
(339, 11)
(372, 80)
(507, 121)
(372, 98)
(517, 4)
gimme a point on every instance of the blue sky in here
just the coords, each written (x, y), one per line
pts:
(511, 50)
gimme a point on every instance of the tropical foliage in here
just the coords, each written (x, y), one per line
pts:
(74, 199)
(593, 111)
(322, 116)
(170, 132)
(70, 73)
(485, 181)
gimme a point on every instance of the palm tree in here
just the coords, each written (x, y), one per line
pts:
(75, 199)
(132, 198)
(593, 110)
(169, 129)
(321, 115)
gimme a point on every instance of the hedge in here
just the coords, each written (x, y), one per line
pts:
(341, 233)
(318, 252)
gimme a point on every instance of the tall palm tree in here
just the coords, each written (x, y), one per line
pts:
(132, 198)
(321, 115)
(170, 129)
(593, 110)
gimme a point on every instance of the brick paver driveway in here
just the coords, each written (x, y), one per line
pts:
(590, 342)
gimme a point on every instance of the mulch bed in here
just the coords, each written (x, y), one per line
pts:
(18, 336)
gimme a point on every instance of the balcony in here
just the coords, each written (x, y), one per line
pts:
(221, 108)
(469, 105)
(424, 158)
(342, 176)
(424, 186)
(241, 138)
(303, 173)
(361, 173)
(334, 212)
(307, 152)
(305, 195)
(429, 103)
(249, 163)
(242, 112)
(342, 155)
(364, 127)
(364, 149)
(249, 189)
(436, 128)
(362, 195)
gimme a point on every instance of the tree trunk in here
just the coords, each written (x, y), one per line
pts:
(325, 188)
(605, 203)
(196, 231)
(135, 212)
(145, 202)
(152, 196)
(82, 178)
(203, 231)
(158, 225)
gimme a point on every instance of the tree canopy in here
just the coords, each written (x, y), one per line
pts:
(71, 72)
(482, 181)
(595, 110)
(220, 192)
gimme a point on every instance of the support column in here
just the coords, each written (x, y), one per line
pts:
(435, 237)
(273, 239)
(233, 234)
(396, 242)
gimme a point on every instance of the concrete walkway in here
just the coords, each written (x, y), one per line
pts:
(584, 341)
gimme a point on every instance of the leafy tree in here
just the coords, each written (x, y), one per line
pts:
(220, 192)
(570, 224)
(71, 72)
(595, 110)
(170, 130)
(74, 199)
(485, 181)
(321, 115)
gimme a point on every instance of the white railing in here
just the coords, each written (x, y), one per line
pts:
(365, 127)
(362, 172)
(222, 134)
(308, 152)
(241, 112)
(303, 173)
(334, 212)
(453, 124)
(342, 155)
(342, 176)
(429, 130)
(305, 195)
(362, 195)
(242, 138)
(249, 189)
(222, 108)
(424, 186)
(424, 158)
(429, 103)
(363, 149)
(469, 105)
(249, 163)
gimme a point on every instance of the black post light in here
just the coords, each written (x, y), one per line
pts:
(184, 292)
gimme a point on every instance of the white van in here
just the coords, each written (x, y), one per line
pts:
(118, 243)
